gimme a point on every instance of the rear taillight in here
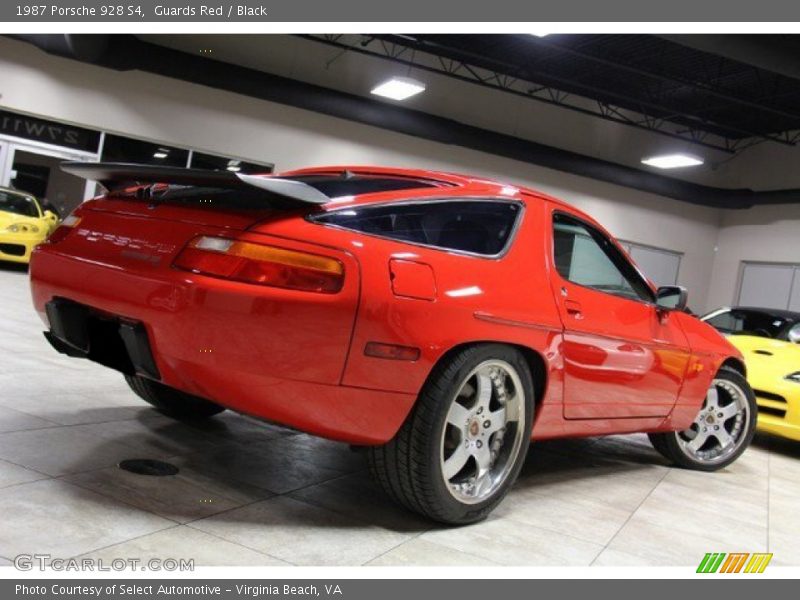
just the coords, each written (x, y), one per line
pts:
(263, 265)
(67, 225)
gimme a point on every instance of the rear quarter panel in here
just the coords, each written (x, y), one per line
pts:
(476, 299)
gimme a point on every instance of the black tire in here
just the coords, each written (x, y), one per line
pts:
(410, 469)
(669, 444)
(172, 402)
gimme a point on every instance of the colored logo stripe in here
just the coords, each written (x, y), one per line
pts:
(714, 562)
(711, 562)
(734, 562)
(758, 563)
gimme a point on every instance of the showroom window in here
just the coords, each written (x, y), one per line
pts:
(585, 256)
(201, 160)
(31, 149)
(478, 227)
(770, 285)
(117, 148)
(659, 265)
(49, 132)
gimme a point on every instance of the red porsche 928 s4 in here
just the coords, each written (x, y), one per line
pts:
(438, 320)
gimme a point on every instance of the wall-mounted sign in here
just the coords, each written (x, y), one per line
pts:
(49, 132)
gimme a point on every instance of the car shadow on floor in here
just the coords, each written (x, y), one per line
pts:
(236, 471)
(233, 469)
(550, 463)
(777, 444)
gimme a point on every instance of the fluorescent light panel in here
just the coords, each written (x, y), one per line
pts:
(672, 161)
(540, 35)
(399, 88)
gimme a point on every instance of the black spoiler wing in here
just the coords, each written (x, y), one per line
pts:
(117, 176)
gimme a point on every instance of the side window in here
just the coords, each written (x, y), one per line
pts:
(479, 227)
(585, 256)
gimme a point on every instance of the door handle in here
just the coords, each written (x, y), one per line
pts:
(573, 308)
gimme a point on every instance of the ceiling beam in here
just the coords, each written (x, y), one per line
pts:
(697, 87)
(532, 73)
(767, 52)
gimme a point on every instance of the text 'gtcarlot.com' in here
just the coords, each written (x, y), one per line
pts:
(29, 562)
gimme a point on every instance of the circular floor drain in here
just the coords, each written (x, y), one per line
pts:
(146, 466)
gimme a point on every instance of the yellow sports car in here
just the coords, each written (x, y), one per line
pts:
(23, 225)
(769, 339)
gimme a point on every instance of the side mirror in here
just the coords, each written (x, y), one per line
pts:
(672, 297)
(794, 334)
(50, 216)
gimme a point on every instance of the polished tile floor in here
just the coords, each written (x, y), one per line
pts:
(252, 494)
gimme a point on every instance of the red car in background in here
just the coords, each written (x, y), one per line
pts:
(441, 321)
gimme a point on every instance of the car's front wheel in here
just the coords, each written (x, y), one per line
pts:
(172, 402)
(722, 430)
(462, 447)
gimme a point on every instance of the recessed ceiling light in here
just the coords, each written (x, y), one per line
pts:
(399, 88)
(540, 34)
(160, 154)
(233, 165)
(672, 161)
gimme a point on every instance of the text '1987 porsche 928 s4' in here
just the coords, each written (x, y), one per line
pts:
(437, 320)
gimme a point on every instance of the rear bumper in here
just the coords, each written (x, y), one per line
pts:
(77, 331)
(210, 340)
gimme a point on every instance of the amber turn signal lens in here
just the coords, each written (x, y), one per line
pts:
(391, 351)
(260, 264)
(67, 225)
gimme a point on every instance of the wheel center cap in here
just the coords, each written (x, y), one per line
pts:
(474, 428)
(710, 419)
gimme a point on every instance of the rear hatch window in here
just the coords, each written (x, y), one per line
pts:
(474, 226)
(335, 186)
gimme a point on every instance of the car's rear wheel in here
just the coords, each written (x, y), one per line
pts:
(722, 430)
(172, 402)
(462, 447)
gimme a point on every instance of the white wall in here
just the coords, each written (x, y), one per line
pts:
(768, 233)
(175, 112)
(765, 166)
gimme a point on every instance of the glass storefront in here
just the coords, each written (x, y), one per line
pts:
(31, 149)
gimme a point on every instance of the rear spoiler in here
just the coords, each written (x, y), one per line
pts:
(118, 176)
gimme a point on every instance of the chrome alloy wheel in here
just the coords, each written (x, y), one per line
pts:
(482, 436)
(720, 427)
